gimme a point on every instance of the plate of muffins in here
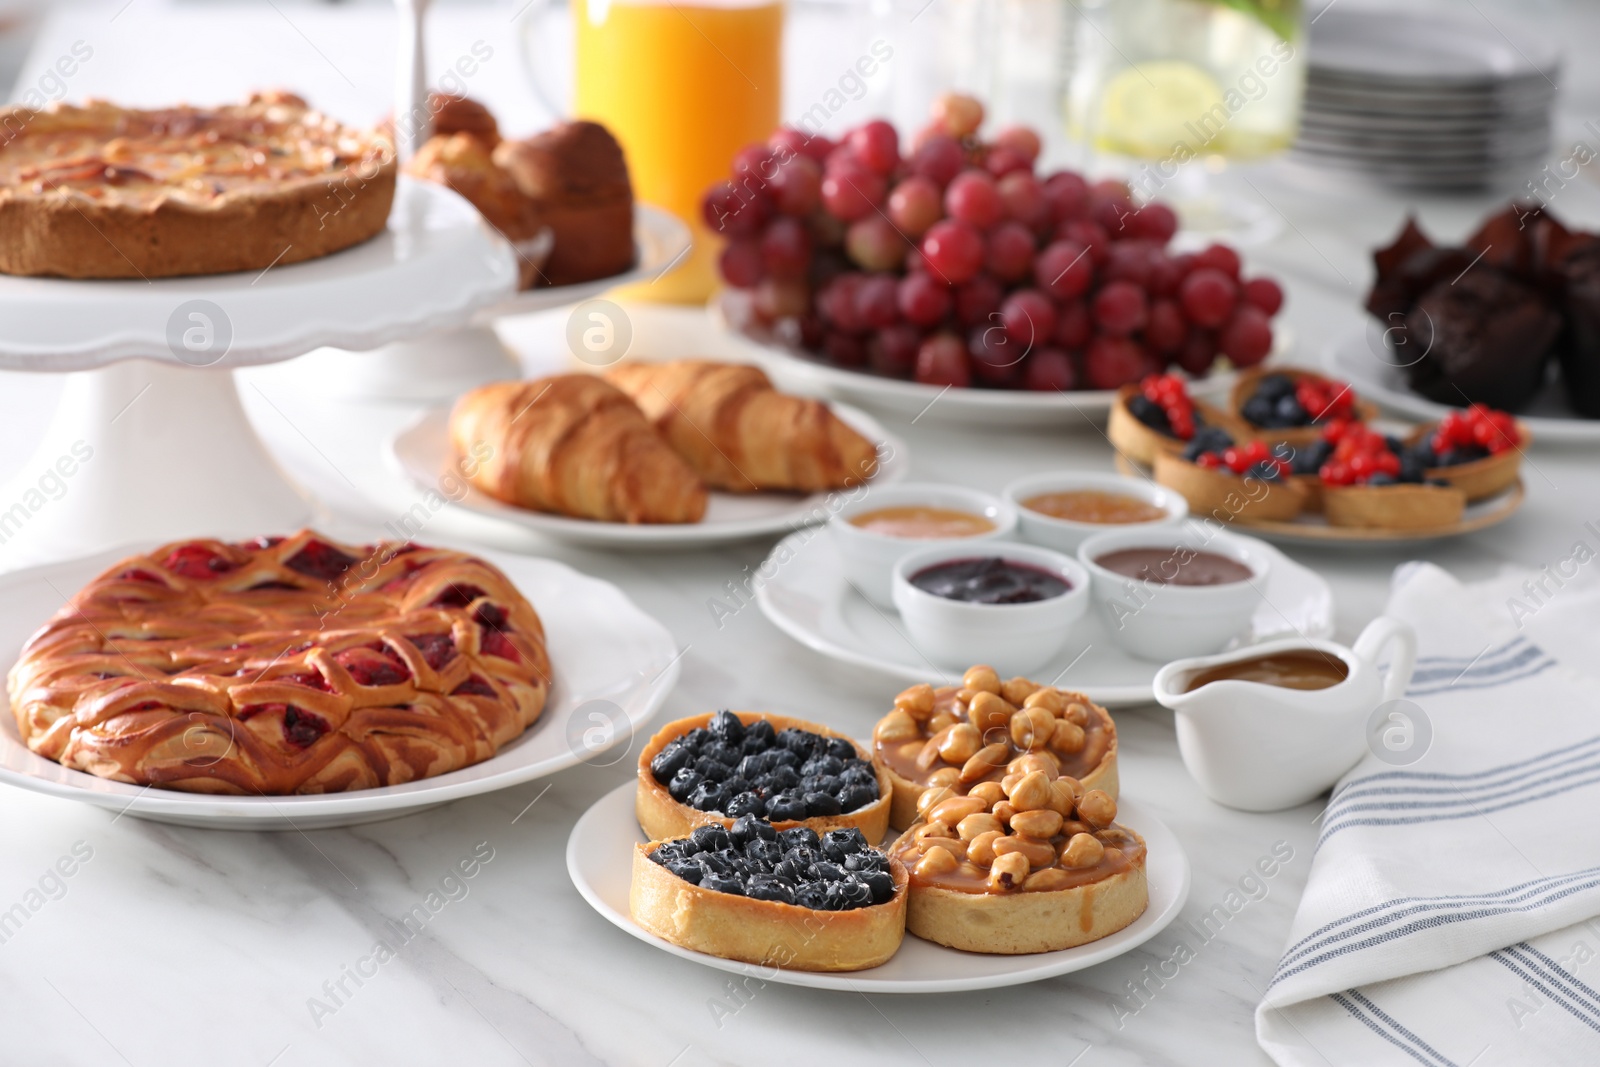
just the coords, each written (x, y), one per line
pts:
(957, 850)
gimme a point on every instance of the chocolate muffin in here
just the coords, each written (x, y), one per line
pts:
(1579, 352)
(1487, 338)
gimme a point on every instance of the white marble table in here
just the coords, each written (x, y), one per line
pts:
(171, 945)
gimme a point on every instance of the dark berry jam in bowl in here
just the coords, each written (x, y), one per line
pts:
(990, 580)
(1179, 592)
(1009, 605)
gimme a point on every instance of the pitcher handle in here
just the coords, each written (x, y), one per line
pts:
(1383, 631)
(539, 11)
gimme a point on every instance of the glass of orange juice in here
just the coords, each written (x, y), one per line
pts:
(683, 85)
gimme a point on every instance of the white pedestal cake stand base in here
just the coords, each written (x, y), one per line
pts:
(150, 441)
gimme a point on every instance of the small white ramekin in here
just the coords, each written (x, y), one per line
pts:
(1065, 535)
(1168, 622)
(1011, 638)
(868, 558)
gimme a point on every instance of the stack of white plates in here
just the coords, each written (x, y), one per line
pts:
(1426, 101)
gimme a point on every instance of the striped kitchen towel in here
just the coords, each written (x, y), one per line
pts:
(1450, 914)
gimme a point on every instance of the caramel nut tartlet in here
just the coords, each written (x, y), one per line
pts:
(1032, 863)
(959, 736)
(787, 898)
(713, 769)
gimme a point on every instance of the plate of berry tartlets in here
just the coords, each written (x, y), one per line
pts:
(1354, 484)
(964, 898)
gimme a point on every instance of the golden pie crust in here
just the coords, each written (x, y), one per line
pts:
(101, 191)
(283, 665)
(1222, 492)
(765, 932)
(662, 817)
(1485, 477)
(1094, 762)
(983, 881)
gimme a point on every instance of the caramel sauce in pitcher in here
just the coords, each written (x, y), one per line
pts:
(1304, 669)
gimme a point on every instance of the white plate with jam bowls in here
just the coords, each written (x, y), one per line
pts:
(1260, 745)
(869, 553)
(1167, 618)
(1041, 528)
(1014, 635)
(804, 593)
(600, 863)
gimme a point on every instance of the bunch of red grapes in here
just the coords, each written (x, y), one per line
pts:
(959, 265)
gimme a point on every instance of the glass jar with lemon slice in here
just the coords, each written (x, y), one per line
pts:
(1177, 88)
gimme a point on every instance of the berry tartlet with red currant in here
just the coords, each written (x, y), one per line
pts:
(1479, 450)
(1373, 481)
(713, 769)
(788, 898)
(1246, 480)
(1293, 405)
(1158, 415)
(952, 261)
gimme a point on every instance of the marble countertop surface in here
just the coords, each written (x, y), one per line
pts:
(175, 945)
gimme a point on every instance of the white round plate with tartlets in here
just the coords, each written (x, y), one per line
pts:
(600, 862)
(422, 454)
(607, 655)
(804, 592)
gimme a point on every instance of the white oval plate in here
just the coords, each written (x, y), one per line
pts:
(602, 648)
(803, 591)
(661, 238)
(421, 453)
(600, 862)
(946, 404)
(1351, 359)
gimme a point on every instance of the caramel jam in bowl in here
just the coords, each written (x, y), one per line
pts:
(922, 522)
(1294, 669)
(1095, 506)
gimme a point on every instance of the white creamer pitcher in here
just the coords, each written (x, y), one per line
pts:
(1262, 747)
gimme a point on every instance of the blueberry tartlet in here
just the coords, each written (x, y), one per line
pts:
(955, 737)
(1031, 863)
(1227, 480)
(1293, 405)
(713, 769)
(1370, 480)
(788, 898)
(1479, 450)
(1157, 416)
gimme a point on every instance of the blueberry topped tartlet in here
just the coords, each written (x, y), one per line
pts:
(1293, 405)
(1158, 416)
(1228, 480)
(790, 898)
(713, 769)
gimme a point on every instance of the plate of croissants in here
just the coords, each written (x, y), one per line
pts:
(687, 452)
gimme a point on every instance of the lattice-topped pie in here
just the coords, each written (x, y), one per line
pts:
(101, 191)
(283, 665)
(958, 736)
(1031, 863)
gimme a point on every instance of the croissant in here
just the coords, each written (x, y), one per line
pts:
(740, 434)
(575, 445)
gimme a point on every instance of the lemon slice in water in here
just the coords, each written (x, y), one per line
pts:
(1149, 108)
